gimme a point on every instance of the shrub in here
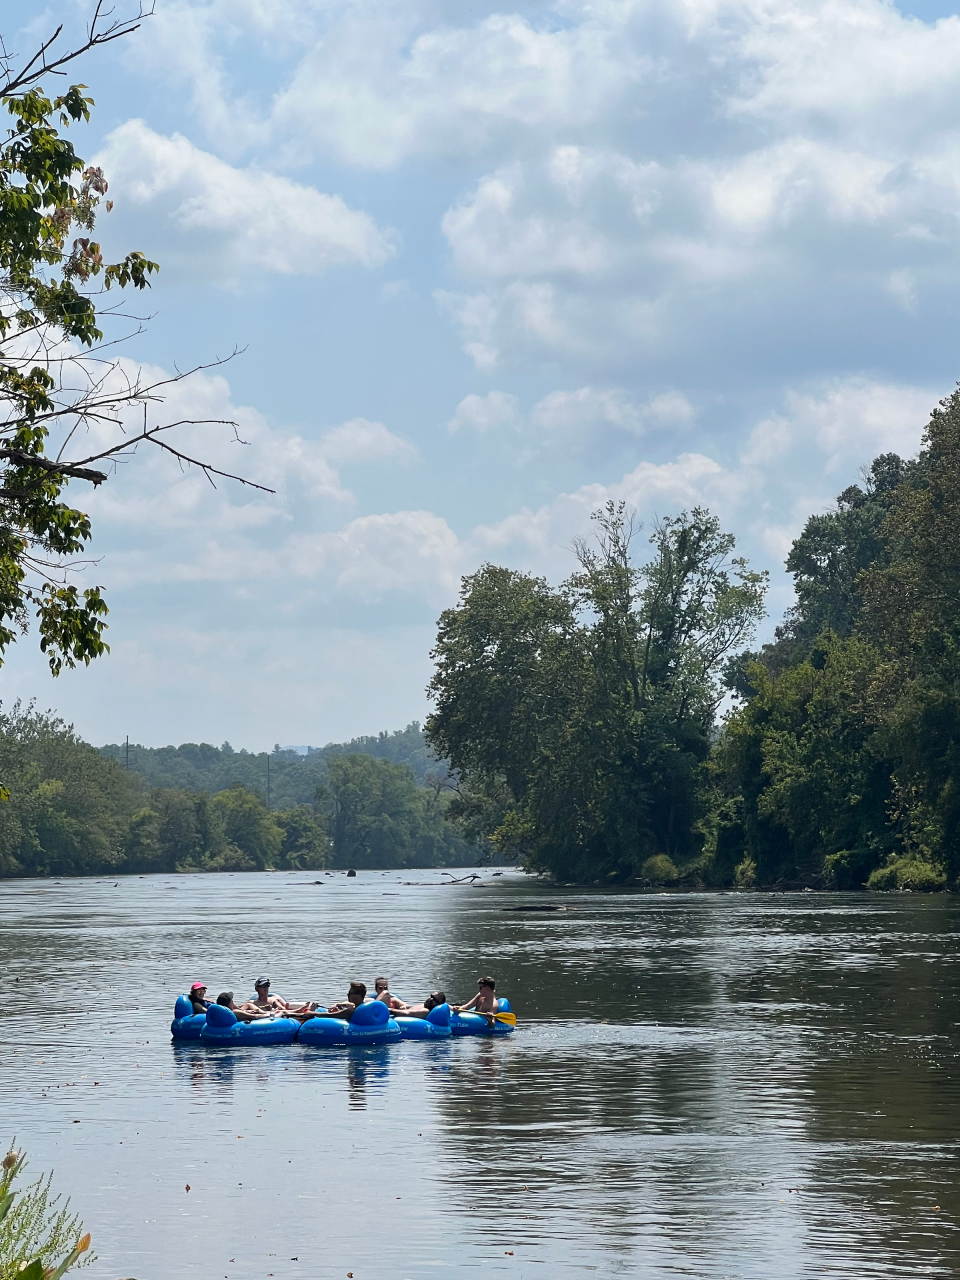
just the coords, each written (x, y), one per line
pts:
(908, 873)
(745, 874)
(659, 869)
(38, 1239)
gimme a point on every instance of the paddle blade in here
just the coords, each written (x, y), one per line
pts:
(509, 1018)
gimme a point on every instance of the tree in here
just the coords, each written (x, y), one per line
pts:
(305, 841)
(841, 766)
(912, 612)
(827, 562)
(804, 764)
(69, 808)
(58, 384)
(378, 816)
(249, 829)
(578, 719)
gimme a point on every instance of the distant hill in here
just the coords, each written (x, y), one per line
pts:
(199, 767)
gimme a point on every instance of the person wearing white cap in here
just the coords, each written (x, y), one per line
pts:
(276, 1004)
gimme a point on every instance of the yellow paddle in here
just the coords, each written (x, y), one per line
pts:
(509, 1018)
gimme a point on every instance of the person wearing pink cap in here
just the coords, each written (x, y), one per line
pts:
(197, 993)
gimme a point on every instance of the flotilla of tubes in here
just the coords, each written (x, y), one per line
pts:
(370, 1023)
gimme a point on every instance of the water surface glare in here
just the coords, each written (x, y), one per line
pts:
(712, 1085)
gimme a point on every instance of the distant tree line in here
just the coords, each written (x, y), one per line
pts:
(74, 810)
(293, 778)
(582, 721)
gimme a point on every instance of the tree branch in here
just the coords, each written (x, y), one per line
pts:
(31, 72)
(23, 459)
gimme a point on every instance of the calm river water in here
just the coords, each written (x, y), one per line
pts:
(701, 1086)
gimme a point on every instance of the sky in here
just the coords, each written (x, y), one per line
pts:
(486, 267)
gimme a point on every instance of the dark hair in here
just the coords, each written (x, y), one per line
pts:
(377, 982)
(435, 998)
(225, 998)
(358, 986)
(488, 982)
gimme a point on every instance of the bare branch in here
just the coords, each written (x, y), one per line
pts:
(24, 459)
(205, 467)
(38, 66)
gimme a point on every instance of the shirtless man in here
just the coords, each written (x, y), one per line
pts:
(246, 1012)
(485, 1001)
(421, 1010)
(276, 1005)
(355, 998)
(393, 1003)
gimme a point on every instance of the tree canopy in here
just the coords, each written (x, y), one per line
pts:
(66, 401)
(577, 718)
(582, 720)
(841, 765)
(74, 810)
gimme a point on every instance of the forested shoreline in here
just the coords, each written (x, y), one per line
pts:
(577, 729)
(583, 720)
(76, 810)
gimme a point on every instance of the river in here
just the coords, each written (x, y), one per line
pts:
(705, 1085)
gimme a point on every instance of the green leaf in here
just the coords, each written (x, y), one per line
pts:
(33, 1271)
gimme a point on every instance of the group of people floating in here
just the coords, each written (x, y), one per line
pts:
(265, 1005)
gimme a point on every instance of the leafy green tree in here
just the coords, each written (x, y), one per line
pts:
(57, 380)
(912, 612)
(69, 808)
(178, 831)
(805, 764)
(378, 817)
(827, 562)
(305, 843)
(582, 716)
(841, 765)
(249, 828)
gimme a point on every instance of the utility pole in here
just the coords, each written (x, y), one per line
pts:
(268, 782)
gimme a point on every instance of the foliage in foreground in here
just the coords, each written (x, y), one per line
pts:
(66, 400)
(39, 1238)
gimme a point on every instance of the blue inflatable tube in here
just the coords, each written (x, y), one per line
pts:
(222, 1027)
(186, 1024)
(475, 1024)
(435, 1026)
(370, 1024)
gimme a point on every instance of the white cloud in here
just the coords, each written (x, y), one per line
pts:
(850, 420)
(491, 236)
(383, 83)
(413, 551)
(481, 413)
(236, 219)
(902, 287)
(363, 441)
(587, 408)
(628, 169)
(568, 416)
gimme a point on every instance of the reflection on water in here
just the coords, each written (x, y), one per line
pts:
(716, 1085)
